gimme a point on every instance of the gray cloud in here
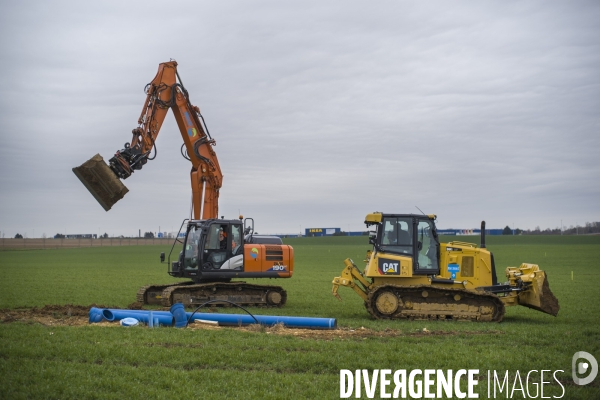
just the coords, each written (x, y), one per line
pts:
(321, 112)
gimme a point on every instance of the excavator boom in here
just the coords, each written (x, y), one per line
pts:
(165, 92)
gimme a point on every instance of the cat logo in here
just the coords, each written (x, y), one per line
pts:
(388, 267)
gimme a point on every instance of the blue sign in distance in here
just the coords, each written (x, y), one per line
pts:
(453, 269)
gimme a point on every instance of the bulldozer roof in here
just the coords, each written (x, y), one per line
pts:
(376, 217)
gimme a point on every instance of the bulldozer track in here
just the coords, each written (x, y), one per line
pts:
(190, 293)
(432, 303)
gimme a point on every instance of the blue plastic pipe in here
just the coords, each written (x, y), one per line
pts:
(95, 315)
(156, 312)
(268, 320)
(178, 317)
(151, 318)
(181, 318)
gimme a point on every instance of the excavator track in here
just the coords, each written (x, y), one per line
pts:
(190, 293)
(152, 294)
(432, 303)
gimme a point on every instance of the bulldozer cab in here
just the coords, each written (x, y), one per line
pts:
(412, 236)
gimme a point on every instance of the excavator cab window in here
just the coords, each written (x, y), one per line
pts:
(223, 241)
(236, 239)
(190, 256)
(396, 235)
(215, 250)
(427, 248)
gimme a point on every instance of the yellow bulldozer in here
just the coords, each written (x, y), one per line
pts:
(411, 275)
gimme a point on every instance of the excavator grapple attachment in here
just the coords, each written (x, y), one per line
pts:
(539, 296)
(101, 181)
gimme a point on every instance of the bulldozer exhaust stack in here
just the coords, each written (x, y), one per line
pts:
(101, 181)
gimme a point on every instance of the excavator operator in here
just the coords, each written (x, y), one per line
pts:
(222, 240)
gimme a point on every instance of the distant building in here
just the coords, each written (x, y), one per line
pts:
(321, 231)
(472, 232)
(81, 236)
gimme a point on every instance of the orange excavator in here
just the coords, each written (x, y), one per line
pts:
(215, 251)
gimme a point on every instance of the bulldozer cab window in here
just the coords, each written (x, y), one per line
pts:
(396, 235)
(190, 258)
(427, 247)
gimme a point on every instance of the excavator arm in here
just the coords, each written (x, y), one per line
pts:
(164, 92)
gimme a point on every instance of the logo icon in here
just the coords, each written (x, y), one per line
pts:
(388, 267)
(453, 269)
(191, 130)
(254, 252)
(580, 367)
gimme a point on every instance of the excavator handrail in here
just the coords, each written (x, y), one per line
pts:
(173, 246)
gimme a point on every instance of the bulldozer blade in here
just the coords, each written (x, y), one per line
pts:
(539, 296)
(101, 181)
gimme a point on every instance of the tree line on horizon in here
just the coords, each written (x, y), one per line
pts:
(590, 228)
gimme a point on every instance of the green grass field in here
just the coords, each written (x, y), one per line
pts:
(39, 361)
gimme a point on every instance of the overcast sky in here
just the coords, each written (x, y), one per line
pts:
(322, 111)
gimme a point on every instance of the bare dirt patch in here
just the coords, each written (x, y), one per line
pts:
(49, 315)
(75, 315)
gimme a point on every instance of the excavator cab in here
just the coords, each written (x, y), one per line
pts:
(209, 246)
(222, 242)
